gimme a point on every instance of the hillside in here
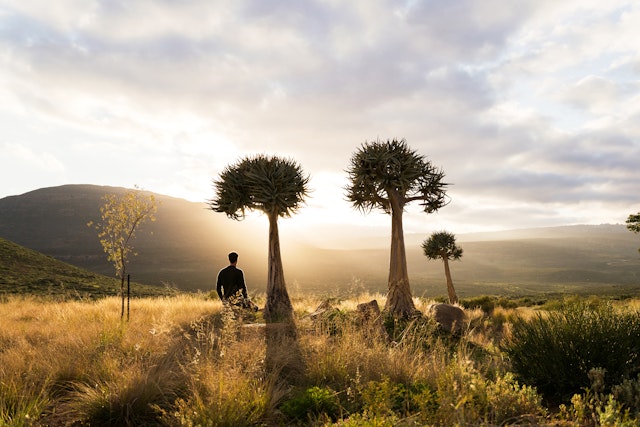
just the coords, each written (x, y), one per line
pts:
(24, 271)
(188, 243)
(182, 248)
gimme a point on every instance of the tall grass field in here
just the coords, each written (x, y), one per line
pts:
(187, 360)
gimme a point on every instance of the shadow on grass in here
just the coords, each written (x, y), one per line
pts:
(284, 361)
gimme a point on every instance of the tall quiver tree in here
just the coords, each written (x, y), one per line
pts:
(388, 175)
(277, 187)
(121, 217)
(442, 245)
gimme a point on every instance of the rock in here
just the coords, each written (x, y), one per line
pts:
(450, 317)
(369, 311)
(370, 319)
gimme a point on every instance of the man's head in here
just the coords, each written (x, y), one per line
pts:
(233, 257)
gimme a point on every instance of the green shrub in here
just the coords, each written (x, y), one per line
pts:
(555, 351)
(484, 303)
(487, 303)
(467, 397)
(385, 398)
(313, 402)
(366, 419)
(628, 393)
(597, 408)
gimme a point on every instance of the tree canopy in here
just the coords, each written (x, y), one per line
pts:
(269, 184)
(383, 170)
(441, 245)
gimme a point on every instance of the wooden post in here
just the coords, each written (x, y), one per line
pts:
(128, 294)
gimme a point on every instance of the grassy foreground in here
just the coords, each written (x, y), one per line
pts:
(188, 361)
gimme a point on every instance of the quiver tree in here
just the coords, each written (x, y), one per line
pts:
(121, 216)
(388, 175)
(442, 245)
(633, 223)
(277, 187)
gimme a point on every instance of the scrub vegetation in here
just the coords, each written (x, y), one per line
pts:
(186, 360)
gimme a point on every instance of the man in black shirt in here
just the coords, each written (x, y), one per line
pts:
(231, 281)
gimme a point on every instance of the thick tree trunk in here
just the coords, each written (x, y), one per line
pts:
(399, 301)
(453, 298)
(278, 306)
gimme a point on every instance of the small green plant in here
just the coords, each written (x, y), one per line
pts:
(388, 399)
(467, 397)
(628, 393)
(593, 407)
(311, 403)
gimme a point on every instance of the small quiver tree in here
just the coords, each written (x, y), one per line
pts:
(442, 245)
(388, 175)
(121, 216)
(277, 187)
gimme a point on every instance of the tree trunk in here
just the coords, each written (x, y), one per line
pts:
(453, 298)
(399, 301)
(278, 306)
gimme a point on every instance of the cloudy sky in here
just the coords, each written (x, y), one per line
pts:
(531, 107)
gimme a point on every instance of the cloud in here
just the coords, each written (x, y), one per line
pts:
(526, 106)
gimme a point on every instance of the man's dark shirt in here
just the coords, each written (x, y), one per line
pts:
(230, 281)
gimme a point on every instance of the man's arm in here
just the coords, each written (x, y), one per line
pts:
(219, 287)
(243, 285)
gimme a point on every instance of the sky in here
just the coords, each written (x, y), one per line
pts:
(530, 107)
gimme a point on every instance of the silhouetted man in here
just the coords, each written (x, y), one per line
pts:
(231, 281)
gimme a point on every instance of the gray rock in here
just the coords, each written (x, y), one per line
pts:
(450, 317)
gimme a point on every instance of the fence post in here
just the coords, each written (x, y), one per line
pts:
(128, 294)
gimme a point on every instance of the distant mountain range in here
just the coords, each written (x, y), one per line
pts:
(188, 243)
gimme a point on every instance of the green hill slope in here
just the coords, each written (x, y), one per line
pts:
(24, 271)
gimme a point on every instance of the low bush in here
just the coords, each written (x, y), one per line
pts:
(488, 303)
(312, 403)
(555, 351)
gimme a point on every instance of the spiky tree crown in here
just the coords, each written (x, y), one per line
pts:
(441, 245)
(269, 184)
(381, 168)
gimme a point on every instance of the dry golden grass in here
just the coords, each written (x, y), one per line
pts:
(69, 348)
(187, 360)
